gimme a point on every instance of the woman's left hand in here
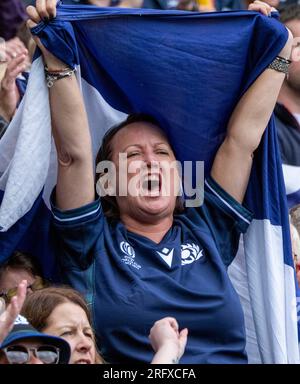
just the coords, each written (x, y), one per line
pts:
(9, 94)
(9, 315)
(263, 8)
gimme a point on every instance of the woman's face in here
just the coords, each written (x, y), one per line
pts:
(69, 321)
(147, 172)
(11, 278)
(272, 3)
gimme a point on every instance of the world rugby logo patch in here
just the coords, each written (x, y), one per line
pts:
(127, 249)
(129, 255)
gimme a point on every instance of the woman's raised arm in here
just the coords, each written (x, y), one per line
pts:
(75, 183)
(232, 165)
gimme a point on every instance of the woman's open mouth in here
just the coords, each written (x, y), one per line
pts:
(151, 185)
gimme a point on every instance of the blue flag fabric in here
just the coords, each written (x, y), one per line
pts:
(32, 234)
(188, 70)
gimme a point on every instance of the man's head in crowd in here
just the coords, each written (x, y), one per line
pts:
(63, 312)
(290, 16)
(188, 5)
(25, 345)
(12, 16)
(108, 3)
(20, 266)
(272, 3)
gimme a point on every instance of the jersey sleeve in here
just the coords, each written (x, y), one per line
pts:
(77, 231)
(225, 217)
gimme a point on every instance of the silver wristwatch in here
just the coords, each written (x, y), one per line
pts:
(280, 64)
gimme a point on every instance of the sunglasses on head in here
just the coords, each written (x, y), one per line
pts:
(19, 354)
(35, 286)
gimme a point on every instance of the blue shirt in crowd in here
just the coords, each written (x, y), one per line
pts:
(130, 281)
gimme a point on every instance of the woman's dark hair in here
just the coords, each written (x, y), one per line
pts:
(21, 260)
(289, 12)
(109, 203)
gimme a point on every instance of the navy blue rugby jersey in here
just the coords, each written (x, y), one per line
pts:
(130, 281)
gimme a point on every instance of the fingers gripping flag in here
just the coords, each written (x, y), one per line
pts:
(188, 70)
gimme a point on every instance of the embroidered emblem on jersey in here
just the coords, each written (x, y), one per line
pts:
(129, 255)
(190, 253)
(167, 255)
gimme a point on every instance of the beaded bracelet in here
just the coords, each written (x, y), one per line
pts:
(53, 75)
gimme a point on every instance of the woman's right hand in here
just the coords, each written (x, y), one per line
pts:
(166, 340)
(44, 10)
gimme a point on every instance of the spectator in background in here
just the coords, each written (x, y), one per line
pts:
(99, 3)
(184, 5)
(20, 343)
(287, 110)
(294, 218)
(230, 5)
(272, 3)
(105, 3)
(9, 313)
(14, 58)
(187, 5)
(63, 312)
(160, 4)
(25, 40)
(287, 120)
(25, 345)
(295, 248)
(12, 16)
(190, 5)
(9, 92)
(128, 3)
(12, 48)
(20, 266)
(237, 5)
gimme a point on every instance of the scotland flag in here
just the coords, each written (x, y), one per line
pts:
(188, 70)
